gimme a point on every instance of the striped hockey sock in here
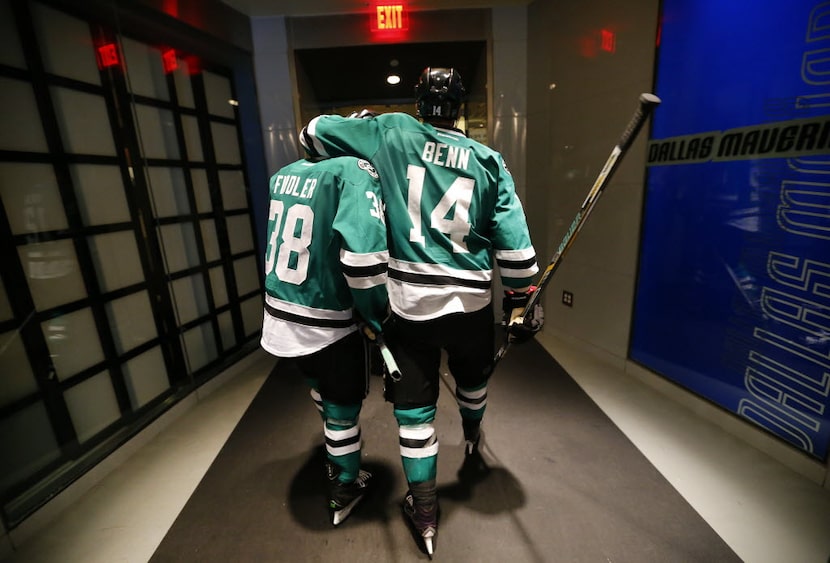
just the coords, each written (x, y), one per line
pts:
(418, 443)
(343, 442)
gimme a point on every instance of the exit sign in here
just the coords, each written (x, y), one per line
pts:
(389, 17)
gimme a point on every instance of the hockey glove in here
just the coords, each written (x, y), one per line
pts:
(369, 332)
(521, 329)
(378, 348)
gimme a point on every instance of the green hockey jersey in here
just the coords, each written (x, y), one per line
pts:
(326, 254)
(451, 206)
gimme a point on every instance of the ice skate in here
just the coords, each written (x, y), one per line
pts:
(474, 468)
(423, 516)
(345, 496)
(472, 435)
(471, 446)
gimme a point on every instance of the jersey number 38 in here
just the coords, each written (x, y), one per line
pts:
(290, 263)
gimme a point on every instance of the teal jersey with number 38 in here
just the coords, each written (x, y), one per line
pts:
(451, 206)
(326, 254)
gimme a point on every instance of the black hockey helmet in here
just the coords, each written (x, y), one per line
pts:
(439, 93)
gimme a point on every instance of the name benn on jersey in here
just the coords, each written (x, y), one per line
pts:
(445, 155)
(290, 185)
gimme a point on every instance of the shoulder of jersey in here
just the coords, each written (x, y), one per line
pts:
(489, 153)
(396, 118)
(366, 166)
(347, 163)
(294, 167)
(335, 165)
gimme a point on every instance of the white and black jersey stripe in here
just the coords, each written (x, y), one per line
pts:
(516, 264)
(363, 271)
(291, 330)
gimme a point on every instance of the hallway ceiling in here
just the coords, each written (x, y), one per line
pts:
(324, 70)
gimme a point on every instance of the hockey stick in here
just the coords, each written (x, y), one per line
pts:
(388, 359)
(647, 103)
(385, 353)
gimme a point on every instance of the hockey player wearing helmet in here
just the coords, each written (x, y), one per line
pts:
(438, 96)
(452, 209)
(325, 262)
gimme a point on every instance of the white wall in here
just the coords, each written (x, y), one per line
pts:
(274, 92)
(509, 90)
(580, 100)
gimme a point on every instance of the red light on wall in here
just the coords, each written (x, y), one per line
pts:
(169, 60)
(389, 17)
(608, 41)
(107, 55)
(194, 65)
(171, 8)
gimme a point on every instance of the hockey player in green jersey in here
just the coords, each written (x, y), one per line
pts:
(326, 259)
(452, 209)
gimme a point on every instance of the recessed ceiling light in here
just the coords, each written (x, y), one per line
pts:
(393, 79)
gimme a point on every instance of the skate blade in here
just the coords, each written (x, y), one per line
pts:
(429, 544)
(338, 516)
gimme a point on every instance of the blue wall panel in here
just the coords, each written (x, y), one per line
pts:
(733, 296)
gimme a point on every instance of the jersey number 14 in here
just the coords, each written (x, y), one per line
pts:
(459, 194)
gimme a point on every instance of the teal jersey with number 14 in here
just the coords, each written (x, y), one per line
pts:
(451, 206)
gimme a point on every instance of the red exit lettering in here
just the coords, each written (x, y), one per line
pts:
(389, 17)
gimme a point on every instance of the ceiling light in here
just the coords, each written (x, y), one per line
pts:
(393, 79)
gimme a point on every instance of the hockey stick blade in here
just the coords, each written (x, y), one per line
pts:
(647, 103)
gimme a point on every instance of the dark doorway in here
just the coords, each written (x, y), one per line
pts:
(343, 79)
